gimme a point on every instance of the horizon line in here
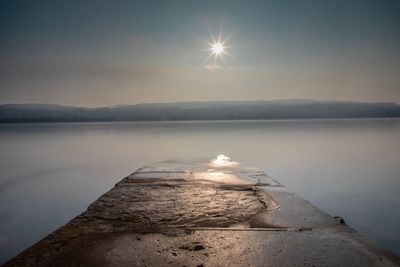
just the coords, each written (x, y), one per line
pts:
(202, 101)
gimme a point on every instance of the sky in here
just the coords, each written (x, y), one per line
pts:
(99, 53)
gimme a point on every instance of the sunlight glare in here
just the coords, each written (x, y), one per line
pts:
(223, 161)
(217, 48)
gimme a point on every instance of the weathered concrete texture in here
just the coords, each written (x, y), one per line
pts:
(195, 215)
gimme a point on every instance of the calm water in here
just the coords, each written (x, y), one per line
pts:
(52, 172)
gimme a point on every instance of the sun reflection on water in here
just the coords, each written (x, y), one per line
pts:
(223, 161)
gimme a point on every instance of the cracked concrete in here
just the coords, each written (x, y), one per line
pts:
(193, 215)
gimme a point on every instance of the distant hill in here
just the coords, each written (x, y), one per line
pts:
(221, 110)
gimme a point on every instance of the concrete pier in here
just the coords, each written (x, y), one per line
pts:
(170, 214)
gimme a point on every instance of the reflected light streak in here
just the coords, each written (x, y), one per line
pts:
(223, 161)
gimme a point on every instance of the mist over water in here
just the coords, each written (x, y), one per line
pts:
(52, 172)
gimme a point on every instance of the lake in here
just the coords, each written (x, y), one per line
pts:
(52, 172)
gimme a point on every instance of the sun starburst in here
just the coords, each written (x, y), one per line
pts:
(218, 48)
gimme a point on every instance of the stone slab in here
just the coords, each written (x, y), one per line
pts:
(171, 214)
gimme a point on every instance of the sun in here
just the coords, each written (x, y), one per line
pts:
(217, 48)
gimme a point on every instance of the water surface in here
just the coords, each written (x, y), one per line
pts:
(52, 172)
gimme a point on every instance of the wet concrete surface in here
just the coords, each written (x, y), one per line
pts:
(172, 214)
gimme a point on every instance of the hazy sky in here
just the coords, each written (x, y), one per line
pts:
(94, 53)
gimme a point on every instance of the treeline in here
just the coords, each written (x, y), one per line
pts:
(224, 110)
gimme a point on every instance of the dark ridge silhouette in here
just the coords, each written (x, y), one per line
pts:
(220, 110)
